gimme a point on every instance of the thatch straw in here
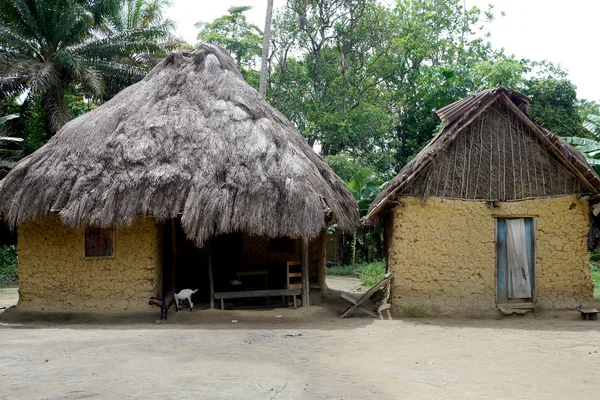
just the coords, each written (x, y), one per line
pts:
(194, 140)
(491, 150)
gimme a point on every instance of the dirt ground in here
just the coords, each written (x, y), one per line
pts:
(308, 353)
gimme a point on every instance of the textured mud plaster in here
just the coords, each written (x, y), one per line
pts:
(442, 253)
(55, 276)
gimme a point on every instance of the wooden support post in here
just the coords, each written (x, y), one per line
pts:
(210, 278)
(173, 254)
(305, 274)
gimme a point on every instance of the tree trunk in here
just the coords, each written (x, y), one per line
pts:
(262, 88)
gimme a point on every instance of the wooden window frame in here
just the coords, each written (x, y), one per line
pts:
(96, 257)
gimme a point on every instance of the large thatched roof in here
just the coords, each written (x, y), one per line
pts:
(192, 139)
(490, 149)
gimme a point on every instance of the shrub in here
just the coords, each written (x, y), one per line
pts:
(596, 276)
(369, 274)
(372, 273)
(8, 266)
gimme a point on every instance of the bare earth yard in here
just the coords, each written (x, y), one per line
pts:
(297, 354)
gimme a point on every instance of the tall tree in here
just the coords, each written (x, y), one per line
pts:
(262, 89)
(234, 33)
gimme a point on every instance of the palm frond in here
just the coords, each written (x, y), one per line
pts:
(55, 107)
(27, 20)
(93, 82)
(43, 76)
(584, 145)
(6, 118)
(16, 43)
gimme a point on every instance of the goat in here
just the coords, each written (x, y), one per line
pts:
(185, 294)
(164, 303)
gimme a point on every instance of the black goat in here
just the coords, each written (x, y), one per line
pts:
(164, 303)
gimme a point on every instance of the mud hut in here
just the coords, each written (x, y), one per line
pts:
(187, 179)
(492, 215)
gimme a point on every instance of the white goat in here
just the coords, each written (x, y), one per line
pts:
(185, 294)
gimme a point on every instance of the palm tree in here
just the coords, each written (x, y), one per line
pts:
(145, 17)
(49, 46)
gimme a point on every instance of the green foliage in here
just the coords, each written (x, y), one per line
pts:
(342, 270)
(554, 104)
(35, 125)
(235, 34)
(369, 273)
(592, 124)
(595, 267)
(7, 118)
(49, 46)
(590, 148)
(8, 266)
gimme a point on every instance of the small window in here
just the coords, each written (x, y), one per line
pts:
(99, 242)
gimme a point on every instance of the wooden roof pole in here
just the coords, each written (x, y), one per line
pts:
(173, 254)
(305, 274)
(210, 276)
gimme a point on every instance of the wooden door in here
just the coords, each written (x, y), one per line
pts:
(515, 280)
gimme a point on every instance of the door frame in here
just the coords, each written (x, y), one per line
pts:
(533, 257)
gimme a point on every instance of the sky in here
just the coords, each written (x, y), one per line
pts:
(564, 32)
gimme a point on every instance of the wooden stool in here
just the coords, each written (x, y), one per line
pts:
(588, 314)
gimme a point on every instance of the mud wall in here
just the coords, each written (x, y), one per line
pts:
(442, 253)
(55, 276)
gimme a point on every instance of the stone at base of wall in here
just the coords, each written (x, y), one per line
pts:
(403, 307)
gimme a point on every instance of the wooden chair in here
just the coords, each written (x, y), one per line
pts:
(358, 302)
(294, 275)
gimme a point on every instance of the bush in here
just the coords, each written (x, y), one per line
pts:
(596, 276)
(372, 273)
(8, 266)
(369, 274)
(341, 270)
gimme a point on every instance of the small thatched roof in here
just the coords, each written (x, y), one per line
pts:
(194, 140)
(490, 149)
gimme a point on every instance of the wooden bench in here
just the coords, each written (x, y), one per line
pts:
(245, 294)
(588, 313)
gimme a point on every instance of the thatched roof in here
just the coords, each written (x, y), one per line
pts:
(490, 149)
(194, 140)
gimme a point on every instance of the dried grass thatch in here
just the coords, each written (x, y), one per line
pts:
(491, 150)
(194, 140)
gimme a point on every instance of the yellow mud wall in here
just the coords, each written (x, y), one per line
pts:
(55, 276)
(442, 253)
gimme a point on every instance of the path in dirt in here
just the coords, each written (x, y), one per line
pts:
(8, 297)
(301, 354)
(344, 283)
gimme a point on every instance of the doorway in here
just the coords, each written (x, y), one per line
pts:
(515, 260)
